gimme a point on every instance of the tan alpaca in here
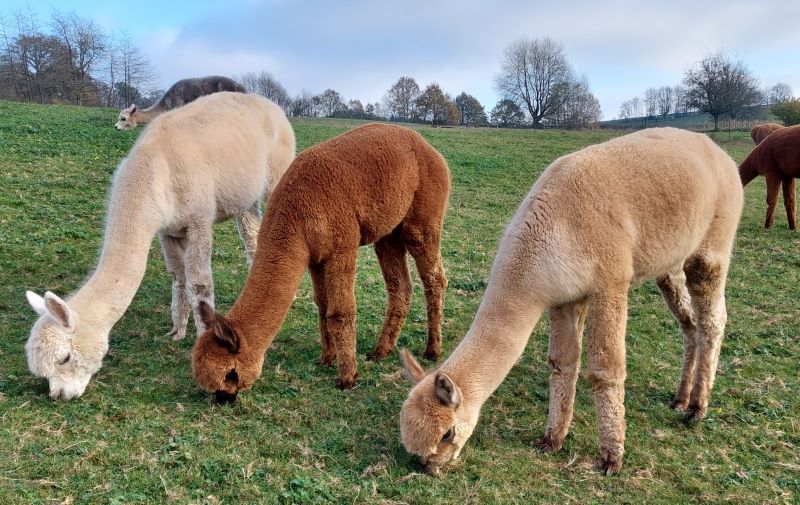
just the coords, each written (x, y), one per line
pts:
(185, 173)
(179, 94)
(377, 184)
(661, 203)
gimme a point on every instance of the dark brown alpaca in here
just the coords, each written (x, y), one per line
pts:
(376, 184)
(777, 158)
(760, 131)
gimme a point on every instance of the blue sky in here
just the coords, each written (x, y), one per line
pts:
(360, 47)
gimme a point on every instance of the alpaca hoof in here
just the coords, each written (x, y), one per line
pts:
(431, 355)
(176, 334)
(548, 445)
(694, 414)
(610, 466)
(376, 356)
(678, 404)
(344, 384)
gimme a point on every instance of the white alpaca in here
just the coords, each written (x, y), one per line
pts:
(206, 162)
(661, 203)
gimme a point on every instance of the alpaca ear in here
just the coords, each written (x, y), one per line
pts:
(446, 391)
(134, 108)
(37, 302)
(414, 371)
(60, 311)
(226, 335)
(207, 314)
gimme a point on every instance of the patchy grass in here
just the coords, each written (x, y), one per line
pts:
(144, 433)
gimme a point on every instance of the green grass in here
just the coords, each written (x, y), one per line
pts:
(144, 433)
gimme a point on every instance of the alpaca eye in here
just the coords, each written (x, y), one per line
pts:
(449, 434)
(65, 360)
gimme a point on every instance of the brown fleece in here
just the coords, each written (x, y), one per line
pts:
(377, 184)
(760, 131)
(777, 158)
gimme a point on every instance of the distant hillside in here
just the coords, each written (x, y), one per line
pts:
(691, 121)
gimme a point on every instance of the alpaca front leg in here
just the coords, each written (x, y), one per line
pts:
(248, 224)
(340, 275)
(605, 346)
(673, 289)
(321, 300)
(706, 283)
(197, 263)
(773, 185)
(789, 197)
(174, 250)
(392, 257)
(564, 360)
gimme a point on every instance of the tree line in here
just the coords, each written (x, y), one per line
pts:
(718, 85)
(70, 59)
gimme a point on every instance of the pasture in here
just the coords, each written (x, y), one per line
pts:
(145, 433)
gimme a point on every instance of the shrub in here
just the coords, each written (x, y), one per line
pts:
(788, 112)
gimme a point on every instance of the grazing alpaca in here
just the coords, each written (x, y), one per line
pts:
(777, 158)
(661, 203)
(179, 94)
(376, 184)
(184, 174)
(760, 131)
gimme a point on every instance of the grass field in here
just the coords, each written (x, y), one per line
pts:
(144, 433)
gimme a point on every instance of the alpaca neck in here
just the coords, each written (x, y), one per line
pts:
(748, 170)
(130, 226)
(146, 115)
(268, 293)
(492, 346)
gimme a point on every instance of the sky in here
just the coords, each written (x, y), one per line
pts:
(361, 47)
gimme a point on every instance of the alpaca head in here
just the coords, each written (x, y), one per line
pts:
(126, 119)
(55, 349)
(221, 361)
(434, 424)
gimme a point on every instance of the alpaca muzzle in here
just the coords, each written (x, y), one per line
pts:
(224, 397)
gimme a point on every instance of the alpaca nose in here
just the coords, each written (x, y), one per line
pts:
(223, 397)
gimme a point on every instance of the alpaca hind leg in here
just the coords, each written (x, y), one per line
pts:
(199, 283)
(321, 300)
(339, 274)
(423, 244)
(248, 223)
(773, 185)
(605, 349)
(789, 198)
(174, 251)
(705, 279)
(673, 288)
(392, 257)
(564, 360)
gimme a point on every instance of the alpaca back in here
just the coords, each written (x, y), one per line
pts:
(629, 209)
(216, 153)
(361, 184)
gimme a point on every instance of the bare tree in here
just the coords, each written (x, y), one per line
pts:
(679, 96)
(651, 101)
(135, 72)
(779, 93)
(581, 108)
(303, 105)
(665, 98)
(536, 75)
(265, 84)
(330, 103)
(399, 99)
(84, 42)
(718, 85)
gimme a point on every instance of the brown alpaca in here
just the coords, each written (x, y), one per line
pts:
(376, 184)
(661, 203)
(777, 158)
(760, 131)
